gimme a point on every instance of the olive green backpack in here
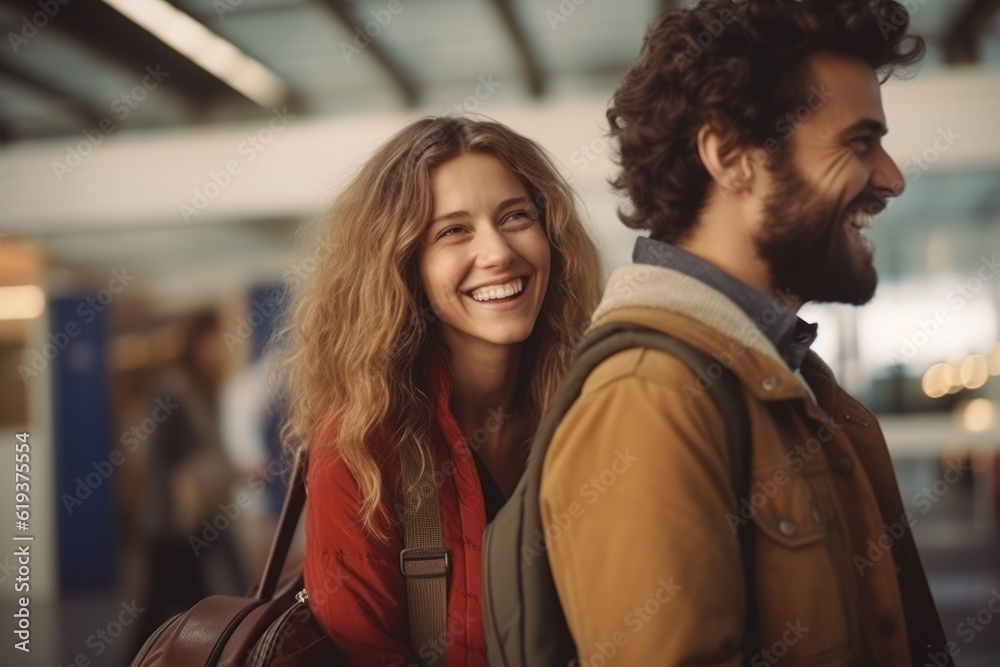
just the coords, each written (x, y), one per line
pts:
(525, 625)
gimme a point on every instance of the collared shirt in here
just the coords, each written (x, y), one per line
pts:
(790, 334)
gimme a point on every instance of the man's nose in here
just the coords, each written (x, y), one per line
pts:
(887, 179)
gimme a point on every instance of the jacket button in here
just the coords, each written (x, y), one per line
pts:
(887, 625)
(787, 527)
(769, 383)
(843, 467)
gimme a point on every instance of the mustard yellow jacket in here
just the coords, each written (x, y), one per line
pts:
(640, 515)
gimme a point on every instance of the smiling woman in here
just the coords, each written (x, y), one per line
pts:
(454, 278)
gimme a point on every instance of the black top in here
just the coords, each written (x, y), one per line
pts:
(491, 492)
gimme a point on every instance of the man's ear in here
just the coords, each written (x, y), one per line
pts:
(732, 171)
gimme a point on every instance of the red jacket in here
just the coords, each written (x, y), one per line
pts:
(356, 590)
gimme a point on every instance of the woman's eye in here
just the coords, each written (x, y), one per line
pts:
(450, 231)
(520, 218)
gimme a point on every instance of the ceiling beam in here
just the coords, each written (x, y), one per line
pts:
(406, 85)
(518, 35)
(971, 22)
(88, 114)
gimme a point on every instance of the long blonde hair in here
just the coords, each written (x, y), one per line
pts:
(360, 328)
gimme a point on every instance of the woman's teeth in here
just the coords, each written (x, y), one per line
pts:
(498, 291)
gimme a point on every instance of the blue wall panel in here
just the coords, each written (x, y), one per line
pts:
(85, 482)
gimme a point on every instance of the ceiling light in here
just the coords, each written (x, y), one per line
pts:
(934, 382)
(973, 372)
(21, 302)
(205, 48)
(993, 360)
(979, 415)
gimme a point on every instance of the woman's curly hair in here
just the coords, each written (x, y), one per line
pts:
(360, 330)
(740, 66)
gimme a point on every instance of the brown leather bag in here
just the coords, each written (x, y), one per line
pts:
(271, 627)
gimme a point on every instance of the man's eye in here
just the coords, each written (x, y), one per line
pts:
(861, 145)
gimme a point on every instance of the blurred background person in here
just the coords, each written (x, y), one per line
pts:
(190, 481)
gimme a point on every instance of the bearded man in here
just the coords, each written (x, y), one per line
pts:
(749, 136)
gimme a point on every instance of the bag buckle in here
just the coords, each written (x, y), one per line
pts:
(422, 555)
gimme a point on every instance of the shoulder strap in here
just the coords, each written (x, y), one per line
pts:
(724, 389)
(295, 500)
(424, 563)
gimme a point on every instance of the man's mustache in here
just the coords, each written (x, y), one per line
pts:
(869, 202)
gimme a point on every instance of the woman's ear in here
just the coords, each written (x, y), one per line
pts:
(732, 170)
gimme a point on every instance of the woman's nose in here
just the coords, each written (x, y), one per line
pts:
(493, 249)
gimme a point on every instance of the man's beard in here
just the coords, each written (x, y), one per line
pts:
(806, 247)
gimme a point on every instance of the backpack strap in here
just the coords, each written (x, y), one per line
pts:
(524, 620)
(424, 562)
(609, 339)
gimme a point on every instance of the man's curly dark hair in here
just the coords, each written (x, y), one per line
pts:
(740, 66)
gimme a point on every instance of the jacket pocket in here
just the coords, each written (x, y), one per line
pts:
(800, 600)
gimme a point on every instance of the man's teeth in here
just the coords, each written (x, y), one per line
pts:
(498, 291)
(863, 221)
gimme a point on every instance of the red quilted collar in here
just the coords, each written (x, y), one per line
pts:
(440, 376)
